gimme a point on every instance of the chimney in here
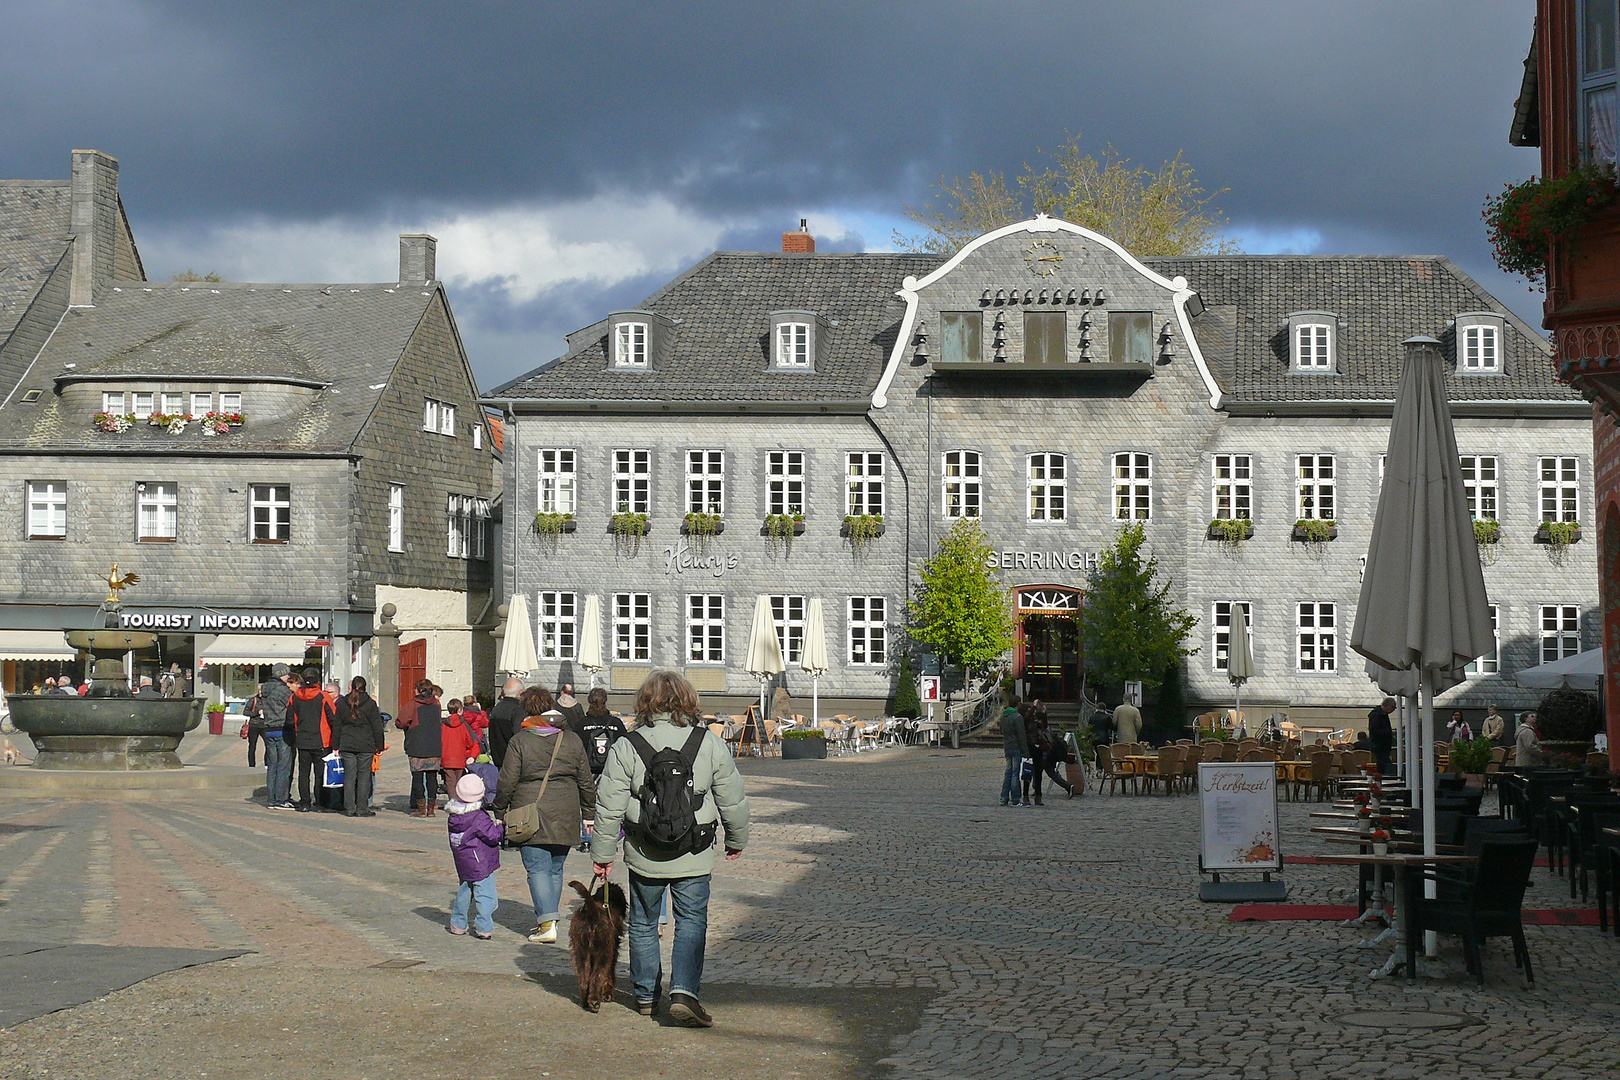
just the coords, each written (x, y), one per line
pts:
(93, 220)
(801, 242)
(417, 255)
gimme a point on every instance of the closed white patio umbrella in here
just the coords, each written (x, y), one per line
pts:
(813, 655)
(764, 651)
(590, 637)
(1423, 606)
(517, 647)
(1583, 671)
(1239, 658)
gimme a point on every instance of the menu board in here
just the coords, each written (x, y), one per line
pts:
(1237, 812)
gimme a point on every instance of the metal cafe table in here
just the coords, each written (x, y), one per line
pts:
(1400, 863)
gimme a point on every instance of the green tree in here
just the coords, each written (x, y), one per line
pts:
(962, 611)
(1132, 628)
(1148, 213)
(189, 274)
(906, 701)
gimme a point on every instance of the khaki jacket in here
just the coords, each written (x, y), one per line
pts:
(1127, 723)
(571, 793)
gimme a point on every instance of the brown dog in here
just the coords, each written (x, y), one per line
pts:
(593, 939)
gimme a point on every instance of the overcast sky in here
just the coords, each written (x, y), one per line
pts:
(572, 157)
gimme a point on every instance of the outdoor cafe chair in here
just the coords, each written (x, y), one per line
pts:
(1111, 772)
(1486, 900)
(1320, 780)
(1165, 769)
(1230, 751)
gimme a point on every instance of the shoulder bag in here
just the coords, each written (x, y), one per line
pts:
(522, 822)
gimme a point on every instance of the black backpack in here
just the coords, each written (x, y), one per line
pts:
(669, 803)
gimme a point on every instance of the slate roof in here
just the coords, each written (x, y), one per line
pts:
(348, 336)
(35, 220)
(1380, 300)
(720, 347)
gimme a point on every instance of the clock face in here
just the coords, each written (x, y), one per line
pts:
(1043, 258)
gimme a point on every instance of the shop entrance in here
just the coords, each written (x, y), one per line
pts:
(1048, 656)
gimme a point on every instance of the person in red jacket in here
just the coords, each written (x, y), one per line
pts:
(311, 718)
(459, 745)
(476, 719)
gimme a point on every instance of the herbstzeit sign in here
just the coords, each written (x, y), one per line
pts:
(1237, 812)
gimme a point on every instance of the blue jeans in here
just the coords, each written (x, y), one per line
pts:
(278, 762)
(1012, 784)
(690, 897)
(545, 866)
(483, 895)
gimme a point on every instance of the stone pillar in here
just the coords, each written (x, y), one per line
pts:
(386, 640)
(499, 634)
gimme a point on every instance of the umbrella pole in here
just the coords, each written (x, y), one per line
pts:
(1426, 748)
(815, 700)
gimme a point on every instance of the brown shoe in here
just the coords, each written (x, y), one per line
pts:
(419, 811)
(684, 1009)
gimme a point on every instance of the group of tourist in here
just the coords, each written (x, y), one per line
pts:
(1033, 751)
(590, 780)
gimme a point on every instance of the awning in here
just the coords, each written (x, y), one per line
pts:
(35, 645)
(252, 649)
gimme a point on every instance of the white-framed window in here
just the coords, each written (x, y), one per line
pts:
(863, 483)
(1479, 484)
(1480, 350)
(142, 404)
(396, 517)
(1560, 489)
(706, 628)
(1383, 467)
(1232, 494)
(787, 612)
(1313, 347)
(157, 511)
(1597, 24)
(480, 528)
(439, 417)
(1133, 487)
(793, 345)
(113, 402)
(202, 404)
(1491, 662)
(632, 481)
(269, 513)
(559, 626)
(961, 480)
(868, 631)
(630, 345)
(461, 524)
(632, 626)
(1221, 621)
(172, 404)
(1048, 486)
(47, 509)
(784, 481)
(558, 483)
(1318, 637)
(705, 481)
(1560, 631)
(1316, 480)
(477, 427)
(230, 403)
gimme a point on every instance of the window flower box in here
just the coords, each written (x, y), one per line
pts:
(1315, 530)
(696, 524)
(554, 524)
(862, 527)
(781, 526)
(1487, 531)
(1231, 530)
(1527, 219)
(1559, 533)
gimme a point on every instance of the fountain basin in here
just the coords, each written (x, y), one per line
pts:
(107, 734)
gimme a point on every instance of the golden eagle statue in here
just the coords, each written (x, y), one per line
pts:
(118, 584)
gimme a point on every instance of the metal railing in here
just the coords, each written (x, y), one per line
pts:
(967, 718)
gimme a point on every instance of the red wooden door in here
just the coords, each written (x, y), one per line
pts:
(412, 669)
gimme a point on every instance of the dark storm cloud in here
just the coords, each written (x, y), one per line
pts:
(1383, 123)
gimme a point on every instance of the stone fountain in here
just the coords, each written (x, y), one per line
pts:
(108, 730)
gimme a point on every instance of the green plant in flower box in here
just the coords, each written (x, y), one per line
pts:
(1527, 219)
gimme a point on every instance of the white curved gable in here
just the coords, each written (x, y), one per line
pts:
(911, 287)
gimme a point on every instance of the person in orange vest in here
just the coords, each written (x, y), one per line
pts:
(311, 716)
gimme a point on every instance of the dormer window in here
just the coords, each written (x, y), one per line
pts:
(143, 405)
(112, 403)
(1312, 337)
(793, 345)
(630, 345)
(1479, 344)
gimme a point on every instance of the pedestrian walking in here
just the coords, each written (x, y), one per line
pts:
(310, 717)
(1127, 723)
(1015, 747)
(475, 845)
(423, 745)
(546, 766)
(477, 721)
(1527, 742)
(1494, 726)
(1457, 728)
(278, 745)
(669, 784)
(359, 740)
(569, 706)
(504, 720)
(458, 745)
(1045, 751)
(1382, 734)
(598, 729)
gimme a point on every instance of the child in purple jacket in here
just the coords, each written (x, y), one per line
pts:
(475, 844)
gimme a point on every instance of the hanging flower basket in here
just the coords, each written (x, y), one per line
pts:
(1527, 219)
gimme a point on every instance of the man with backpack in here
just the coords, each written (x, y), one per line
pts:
(670, 784)
(272, 724)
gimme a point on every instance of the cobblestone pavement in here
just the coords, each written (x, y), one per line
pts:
(1058, 940)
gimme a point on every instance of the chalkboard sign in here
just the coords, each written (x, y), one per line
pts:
(1237, 814)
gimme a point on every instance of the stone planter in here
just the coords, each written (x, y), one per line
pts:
(803, 748)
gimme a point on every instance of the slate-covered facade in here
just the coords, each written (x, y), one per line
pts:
(238, 446)
(1053, 386)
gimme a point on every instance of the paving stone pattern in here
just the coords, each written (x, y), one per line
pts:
(1058, 940)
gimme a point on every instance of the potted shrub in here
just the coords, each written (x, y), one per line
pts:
(1527, 219)
(1560, 534)
(628, 530)
(1315, 530)
(216, 719)
(1231, 531)
(803, 744)
(1380, 841)
(1567, 720)
(1470, 757)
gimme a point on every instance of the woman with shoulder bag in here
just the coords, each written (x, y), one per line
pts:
(423, 747)
(359, 738)
(546, 769)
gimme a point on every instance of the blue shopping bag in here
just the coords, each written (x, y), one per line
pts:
(334, 771)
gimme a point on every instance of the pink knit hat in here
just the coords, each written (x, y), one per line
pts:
(470, 789)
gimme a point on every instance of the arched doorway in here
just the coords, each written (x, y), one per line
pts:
(1047, 660)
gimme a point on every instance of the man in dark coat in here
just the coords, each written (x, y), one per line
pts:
(310, 715)
(1382, 735)
(278, 747)
(504, 720)
(359, 737)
